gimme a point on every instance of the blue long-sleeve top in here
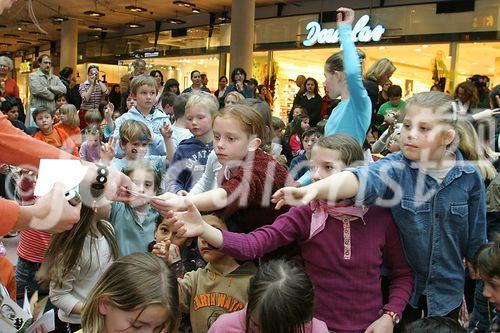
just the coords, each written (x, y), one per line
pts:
(351, 116)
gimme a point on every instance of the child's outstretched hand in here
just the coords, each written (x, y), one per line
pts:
(345, 16)
(170, 253)
(189, 223)
(167, 202)
(293, 196)
(108, 150)
(166, 131)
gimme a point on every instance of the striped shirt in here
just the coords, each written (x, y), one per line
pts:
(96, 97)
(33, 245)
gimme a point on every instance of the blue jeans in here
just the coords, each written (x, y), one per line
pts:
(25, 279)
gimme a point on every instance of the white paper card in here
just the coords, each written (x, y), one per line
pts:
(51, 171)
(47, 320)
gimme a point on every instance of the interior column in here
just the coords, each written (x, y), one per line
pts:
(69, 44)
(242, 34)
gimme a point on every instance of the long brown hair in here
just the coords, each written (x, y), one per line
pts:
(133, 282)
(65, 248)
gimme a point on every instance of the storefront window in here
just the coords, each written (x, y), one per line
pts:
(417, 66)
(478, 58)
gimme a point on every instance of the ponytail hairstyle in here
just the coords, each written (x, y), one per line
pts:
(250, 119)
(335, 63)
(265, 111)
(281, 298)
(133, 282)
(472, 150)
(380, 70)
(70, 110)
(65, 248)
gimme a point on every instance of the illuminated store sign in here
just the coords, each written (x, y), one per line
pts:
(361, 32)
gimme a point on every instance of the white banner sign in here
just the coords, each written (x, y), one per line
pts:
(360, 33)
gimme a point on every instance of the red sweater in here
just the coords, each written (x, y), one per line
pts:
(249, 191)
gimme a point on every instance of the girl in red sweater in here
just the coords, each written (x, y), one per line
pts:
(249, 174)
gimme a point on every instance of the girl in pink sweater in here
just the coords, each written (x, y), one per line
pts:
(342, 247)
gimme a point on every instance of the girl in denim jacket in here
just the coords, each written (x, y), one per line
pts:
(436, 197)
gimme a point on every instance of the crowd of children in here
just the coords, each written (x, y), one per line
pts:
(381, 239)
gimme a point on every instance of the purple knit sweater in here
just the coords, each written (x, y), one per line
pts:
(348, 297)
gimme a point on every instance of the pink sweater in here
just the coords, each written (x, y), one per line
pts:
(348, 296)
(235, 322)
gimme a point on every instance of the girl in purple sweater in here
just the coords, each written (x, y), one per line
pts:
(342, 247)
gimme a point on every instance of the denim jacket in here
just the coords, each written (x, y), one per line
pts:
(439, 224)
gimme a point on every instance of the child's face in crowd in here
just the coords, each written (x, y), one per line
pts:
(196, 78)
(116, 114)
(231, 142)
(135, 150)
(305, 124)
(297, 111)
(13, 113)
(209, 254)
(278, 133)
(151, 319)
(386, 85)
(198, 121)
(60, 102)
(164, 232)
(394, 144)
(44, 122)
(325, 162)
(130, 102)
(63, 117)
(333, 83)
(145, 96)
(309, 142)
(492, 291)
(93, 140)
(395, 100)
(230, 100)
(310, 86)
(145, 184)
(424, 136)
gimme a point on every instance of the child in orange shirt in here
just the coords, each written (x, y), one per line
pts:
(54, 136)
(69, 122)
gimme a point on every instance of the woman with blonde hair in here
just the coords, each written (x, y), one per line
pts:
(138, 293)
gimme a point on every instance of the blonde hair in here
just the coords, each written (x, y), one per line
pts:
(349, 149)
(93, 116)
(472, 150)
(335, 62)
(205, 100)
(133, 282)
(142, 80)
(379, 68)
(251, 120)
(70, 110)
(439, 102)
(134, 130)
(239, 97)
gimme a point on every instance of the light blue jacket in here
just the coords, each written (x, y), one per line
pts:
(439, 224)
(154, 121)
(131, 235)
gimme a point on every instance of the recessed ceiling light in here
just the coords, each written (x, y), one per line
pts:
(11, 35)
(19, 28)
(35, 33)
(5, 44)
(223, 17)
(136, 9)
(175, 21)
(134, 25)
(23, 42)
(181, 3)
(25, 22)
(44, 40)
(97, 28)
(58, 18)
(93, 13)
(195, 10)
(96, 35)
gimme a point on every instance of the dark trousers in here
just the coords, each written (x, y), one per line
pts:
(411, 314)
